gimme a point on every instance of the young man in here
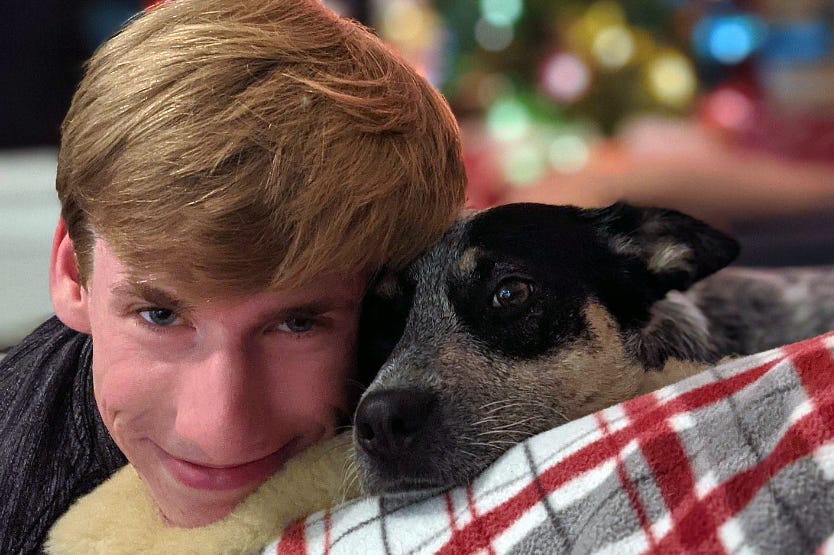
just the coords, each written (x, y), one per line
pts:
(231, 175)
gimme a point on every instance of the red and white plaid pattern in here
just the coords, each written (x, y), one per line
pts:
(737, 459)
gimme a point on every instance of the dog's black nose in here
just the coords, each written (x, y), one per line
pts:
(387, 422)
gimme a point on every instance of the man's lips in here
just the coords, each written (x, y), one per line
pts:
(218, 478)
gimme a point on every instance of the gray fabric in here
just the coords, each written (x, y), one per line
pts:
(53, 445)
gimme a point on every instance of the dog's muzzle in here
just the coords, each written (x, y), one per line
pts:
(399, 435)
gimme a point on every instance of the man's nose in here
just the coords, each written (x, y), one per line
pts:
(221, 403)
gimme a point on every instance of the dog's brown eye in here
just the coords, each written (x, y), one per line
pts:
(510, 293)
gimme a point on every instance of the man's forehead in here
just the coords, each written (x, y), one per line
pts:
(163, 283)
(332, 292)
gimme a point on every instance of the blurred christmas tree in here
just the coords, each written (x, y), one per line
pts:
(546, 78)
(594, 61)
(542, 81)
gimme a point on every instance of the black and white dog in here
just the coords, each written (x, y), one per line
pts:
(526, 316)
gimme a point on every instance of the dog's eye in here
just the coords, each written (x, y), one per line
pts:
(511, 293)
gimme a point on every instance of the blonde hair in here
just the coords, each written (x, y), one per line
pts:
(237, 145)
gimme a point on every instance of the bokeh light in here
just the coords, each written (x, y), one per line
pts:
(671, 79)
(501, 13)
(730, 42)
(508, 120)
(569, 153)
(583, 32)
(493, 37)
(565, 77)
(524, 164)
(614, 47)
(729, 109)
(403, 21)
(728, 39)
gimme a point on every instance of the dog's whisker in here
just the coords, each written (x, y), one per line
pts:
(487, 405)
(350, 486)
(504, 442)
(351, 474)
(505, 407)
(348, 471)
(349, 463)
(497, 406)
(516, 423)
(470, 453)
(486, 420)
(502, 433)
(494, 444)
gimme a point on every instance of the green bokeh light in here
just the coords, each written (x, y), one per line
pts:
(524, 164)
(501, 12)
(508, 120)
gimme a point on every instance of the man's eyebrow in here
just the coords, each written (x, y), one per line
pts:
(308, 309)
(319, 306)
(153, 295)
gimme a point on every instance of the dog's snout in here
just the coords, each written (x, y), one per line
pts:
(387, 422)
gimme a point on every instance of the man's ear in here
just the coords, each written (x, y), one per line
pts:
(676, 250)
(69, 297)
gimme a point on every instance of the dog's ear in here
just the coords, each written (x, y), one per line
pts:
(675, 249)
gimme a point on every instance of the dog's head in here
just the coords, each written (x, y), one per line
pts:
(521, 318)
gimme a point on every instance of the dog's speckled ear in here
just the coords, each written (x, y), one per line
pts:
(676, 249)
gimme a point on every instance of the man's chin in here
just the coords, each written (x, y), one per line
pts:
(184, 507)
(188, 512)
(189, 495)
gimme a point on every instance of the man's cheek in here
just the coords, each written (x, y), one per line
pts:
(129, 391)
(321, 387)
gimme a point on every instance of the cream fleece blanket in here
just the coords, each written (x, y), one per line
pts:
(119, 516)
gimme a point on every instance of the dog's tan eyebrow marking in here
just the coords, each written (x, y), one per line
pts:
(468, 260)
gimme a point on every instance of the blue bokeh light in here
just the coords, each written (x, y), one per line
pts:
(729, 39)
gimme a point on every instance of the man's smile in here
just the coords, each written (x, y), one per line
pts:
(227, 477)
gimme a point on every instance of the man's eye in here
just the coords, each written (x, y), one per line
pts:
(296, 325)
(159, 316)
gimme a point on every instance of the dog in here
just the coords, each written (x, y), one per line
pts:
(526, 316)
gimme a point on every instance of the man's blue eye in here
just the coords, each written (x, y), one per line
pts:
(159, 316)
(296, 325)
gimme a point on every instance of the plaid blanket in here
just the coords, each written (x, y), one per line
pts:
(738, 459)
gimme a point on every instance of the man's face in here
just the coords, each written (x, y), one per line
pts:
(207, 398)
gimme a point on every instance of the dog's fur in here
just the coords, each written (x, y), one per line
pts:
(527, 316)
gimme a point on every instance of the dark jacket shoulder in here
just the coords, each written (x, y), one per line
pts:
(53, 445)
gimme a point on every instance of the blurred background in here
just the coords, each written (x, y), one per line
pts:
(722, 109)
